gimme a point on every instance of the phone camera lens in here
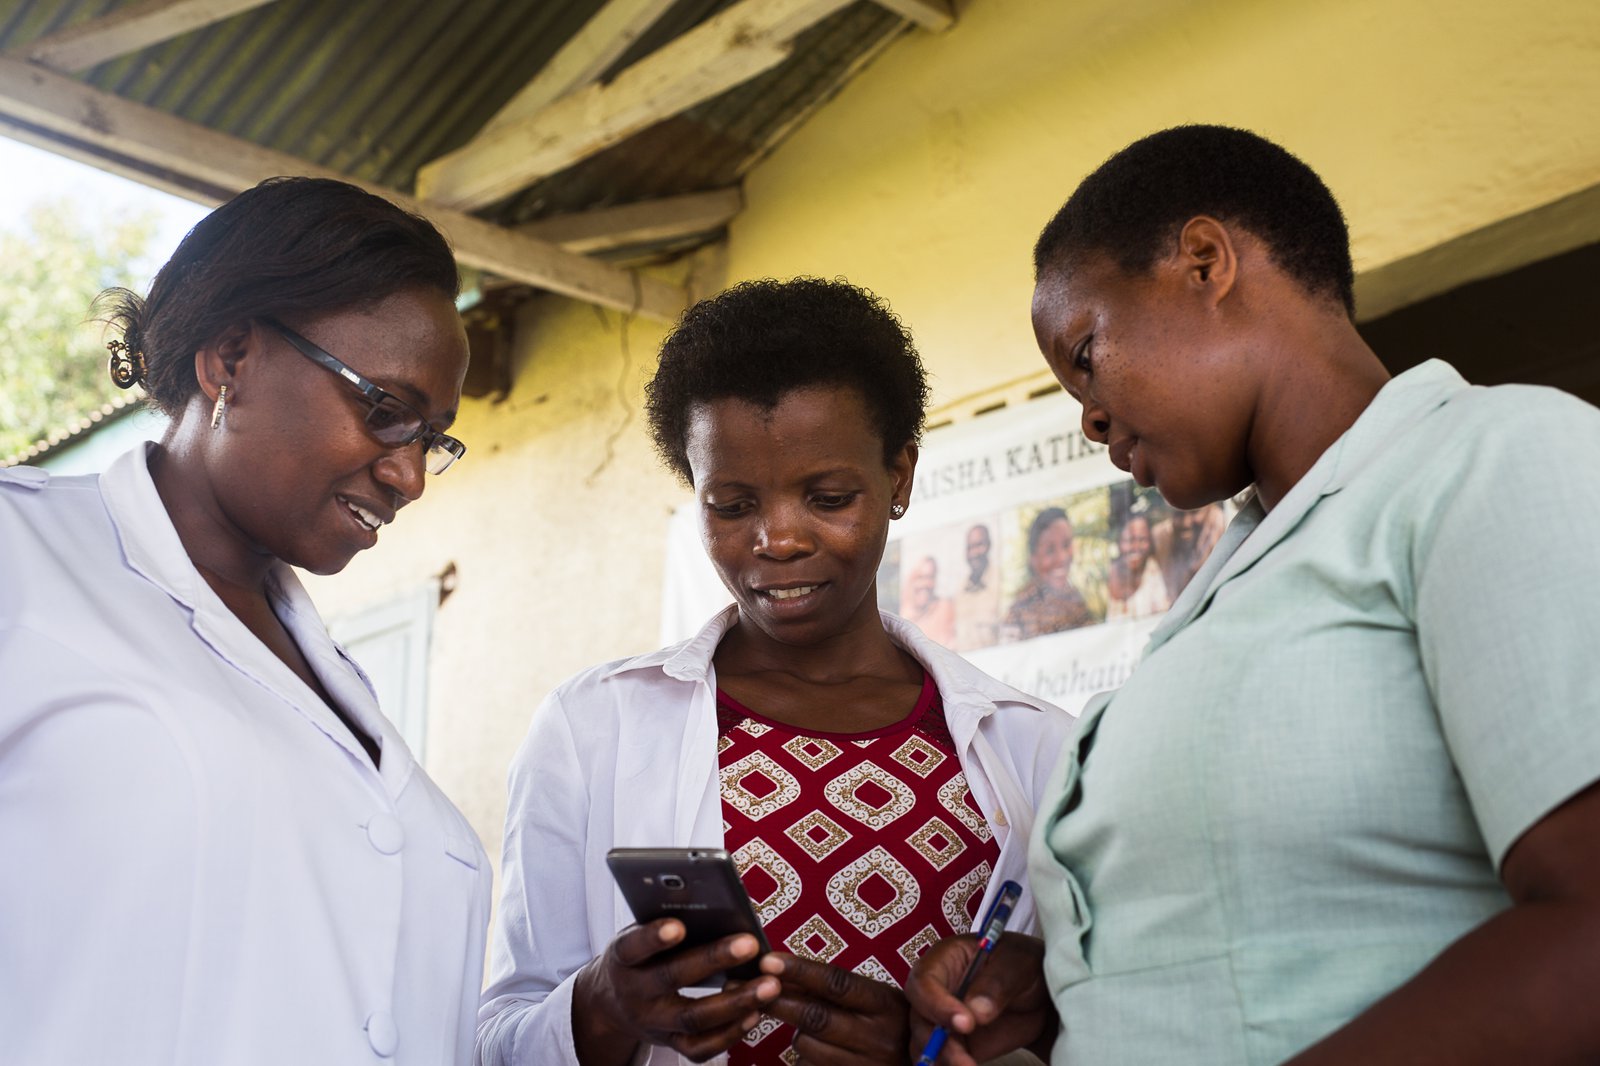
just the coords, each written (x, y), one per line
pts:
(671, 881)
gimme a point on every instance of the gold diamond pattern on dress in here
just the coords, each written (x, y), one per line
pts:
(817, 941)
(756, 786)
(952, 796)
(912, 949)
(758, 855)
(961, 893)
(723, 744)
(753, 727)
(918, 756)
(813, 752)
(937, 842)
(871, 967)
(870, 796)
(818, 834)
(873, 892)
(764, 1028)
(790, 1056)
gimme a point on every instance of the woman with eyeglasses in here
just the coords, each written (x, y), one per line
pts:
(213, 846)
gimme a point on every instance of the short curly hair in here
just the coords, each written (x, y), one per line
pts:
(1133, 205)
(760, 340)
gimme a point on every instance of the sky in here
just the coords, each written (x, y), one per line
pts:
(30, 174)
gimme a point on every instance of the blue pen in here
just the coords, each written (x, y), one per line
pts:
(994, 923)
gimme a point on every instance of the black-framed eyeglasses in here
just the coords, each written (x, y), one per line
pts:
(390, 420)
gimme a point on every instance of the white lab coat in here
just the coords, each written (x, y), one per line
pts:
(199, 866)
(625, 755)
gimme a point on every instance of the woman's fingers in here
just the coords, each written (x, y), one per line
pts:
(818, 980)
(701, 1046)
(839, 1017)
(692, 967)
(930, 990)
(651, 967)
(1006, 1006)
(638, 943)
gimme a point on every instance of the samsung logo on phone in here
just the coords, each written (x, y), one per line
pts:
(684, 906)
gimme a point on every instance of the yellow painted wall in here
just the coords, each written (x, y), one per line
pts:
(929, 176)
(927, 179)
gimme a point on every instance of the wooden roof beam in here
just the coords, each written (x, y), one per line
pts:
(136, 136)
(665, 219)
(727, 49)
(608, 34)
(935, 15)
(129, 29)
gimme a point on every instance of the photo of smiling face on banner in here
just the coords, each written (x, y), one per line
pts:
(1058, 568)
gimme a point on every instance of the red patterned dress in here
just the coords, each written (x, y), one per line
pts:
(858, 849)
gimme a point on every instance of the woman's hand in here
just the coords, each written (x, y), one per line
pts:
(839, 1017)
(1007, 1007)
(629, 996)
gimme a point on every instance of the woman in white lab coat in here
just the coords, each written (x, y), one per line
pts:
(213, 846)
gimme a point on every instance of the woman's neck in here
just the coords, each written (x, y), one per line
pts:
(218, 549)
(864, 649)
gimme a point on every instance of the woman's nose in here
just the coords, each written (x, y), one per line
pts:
(405, 470)
(782, 534)
(1096, 426)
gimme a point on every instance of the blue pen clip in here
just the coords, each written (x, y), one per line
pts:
(994, 923)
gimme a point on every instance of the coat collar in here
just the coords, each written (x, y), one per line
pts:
(959, 682)
(152, 549)
(1255, 531)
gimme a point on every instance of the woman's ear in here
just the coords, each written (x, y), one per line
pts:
(903, 469)
(221, 361)
(1207, 257)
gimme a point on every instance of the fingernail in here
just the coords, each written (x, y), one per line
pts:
(744, 947)
(772, 964)
(750, 1022)
(672, 932)
(768, 989)
(982, 1007)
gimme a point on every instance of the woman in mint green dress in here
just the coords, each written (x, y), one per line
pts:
(1345, 810)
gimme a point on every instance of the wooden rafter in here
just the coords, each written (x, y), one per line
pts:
(727, 49)
(128, 29)
(933, 15)
(665, 219)
(52, 105)
(608, 34)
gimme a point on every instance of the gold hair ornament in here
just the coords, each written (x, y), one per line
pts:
(126, 365)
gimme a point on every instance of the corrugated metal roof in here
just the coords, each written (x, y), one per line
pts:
(377, 88)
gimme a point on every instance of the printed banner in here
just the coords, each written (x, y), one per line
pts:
(1023, 548)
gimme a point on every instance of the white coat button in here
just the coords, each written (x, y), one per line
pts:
(382, 1034)
(386, 834)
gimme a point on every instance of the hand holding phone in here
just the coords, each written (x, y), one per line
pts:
(698, 886)
(631, 994)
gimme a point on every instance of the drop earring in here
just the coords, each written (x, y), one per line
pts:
(219, 408)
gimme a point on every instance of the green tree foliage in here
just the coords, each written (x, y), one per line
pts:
(52, 357)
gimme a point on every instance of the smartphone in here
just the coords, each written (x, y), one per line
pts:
(698, 886)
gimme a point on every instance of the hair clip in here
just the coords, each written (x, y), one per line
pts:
(126, 365)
